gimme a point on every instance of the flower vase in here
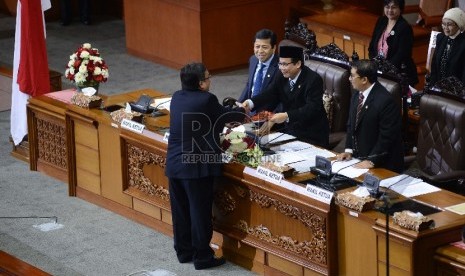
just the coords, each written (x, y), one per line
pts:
(79, 87)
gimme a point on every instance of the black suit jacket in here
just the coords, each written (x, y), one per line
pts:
(267, 80)
(196, 120)
(379, 130)
(455, 65)
(304, 105)
(400, 46)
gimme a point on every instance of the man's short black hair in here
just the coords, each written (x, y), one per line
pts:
(400, 3)
(366, 68)
(267, 34)
(191, 75)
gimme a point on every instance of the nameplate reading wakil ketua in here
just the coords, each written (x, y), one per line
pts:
(269, 175)
(319, 194)
(132, 126)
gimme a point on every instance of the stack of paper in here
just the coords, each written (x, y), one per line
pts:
(408, 186)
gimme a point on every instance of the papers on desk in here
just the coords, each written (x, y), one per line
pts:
(292, 146)
(275, 137)
(161, 103)
(283, 158)
(458, 209)
(346, 168)
(408, 186)
(298, 155)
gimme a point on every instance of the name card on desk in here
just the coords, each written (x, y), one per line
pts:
(319, 194)
(132, 126)
(269, 175)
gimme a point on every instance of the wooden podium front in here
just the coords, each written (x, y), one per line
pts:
(218, 33)
(265, 228)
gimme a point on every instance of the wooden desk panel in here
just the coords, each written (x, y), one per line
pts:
(10, 265)
(47, 137)
(262, 226)
(450, 260)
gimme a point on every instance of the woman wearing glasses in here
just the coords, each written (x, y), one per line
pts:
(392, 39)
(449, 54)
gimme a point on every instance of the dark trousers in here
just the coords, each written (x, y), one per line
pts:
(67, 12)
(191, 209)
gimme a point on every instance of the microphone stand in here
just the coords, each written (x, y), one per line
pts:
(385, 199)
(156, 112)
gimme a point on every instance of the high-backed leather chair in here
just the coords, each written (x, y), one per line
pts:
(336, 98)
(441, 142)
(390, 78)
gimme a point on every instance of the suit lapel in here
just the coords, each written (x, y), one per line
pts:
(253, 68)
(367, 104)
(271, 71)
(297, 86)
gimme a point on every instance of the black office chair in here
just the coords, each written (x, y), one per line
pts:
(440, 157)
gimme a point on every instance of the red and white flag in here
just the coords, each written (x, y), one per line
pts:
(30, 64)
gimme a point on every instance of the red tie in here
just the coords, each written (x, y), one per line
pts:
(359, 106)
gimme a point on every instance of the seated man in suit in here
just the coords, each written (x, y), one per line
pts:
(263, 65)
(374, 128)
(193, 161)
(300, 91)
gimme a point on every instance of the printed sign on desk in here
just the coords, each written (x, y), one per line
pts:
(132, 126)
(269, 175)
(319, 194)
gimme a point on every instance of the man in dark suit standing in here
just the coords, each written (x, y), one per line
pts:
(263, 65)
(374, 128)
(300, 91)
(192, 163)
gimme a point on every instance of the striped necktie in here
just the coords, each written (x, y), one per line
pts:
(359, 107)
(291, 84)
(257, 86)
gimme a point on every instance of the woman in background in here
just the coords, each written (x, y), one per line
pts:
(449, 55)
(392, 39)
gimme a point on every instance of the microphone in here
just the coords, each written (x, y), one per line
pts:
(333, 179)
(322, 166)
(268, 142)
(267, 150)
(156, 112)
(388, 188)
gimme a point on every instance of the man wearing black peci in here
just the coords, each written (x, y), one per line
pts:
(300, 91)
(375, 123)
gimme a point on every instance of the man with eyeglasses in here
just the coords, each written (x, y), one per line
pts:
(374, 127)
(300, 91)
(193, 161)
(449, 55)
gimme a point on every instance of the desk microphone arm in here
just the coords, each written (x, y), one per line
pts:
(385, 199)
